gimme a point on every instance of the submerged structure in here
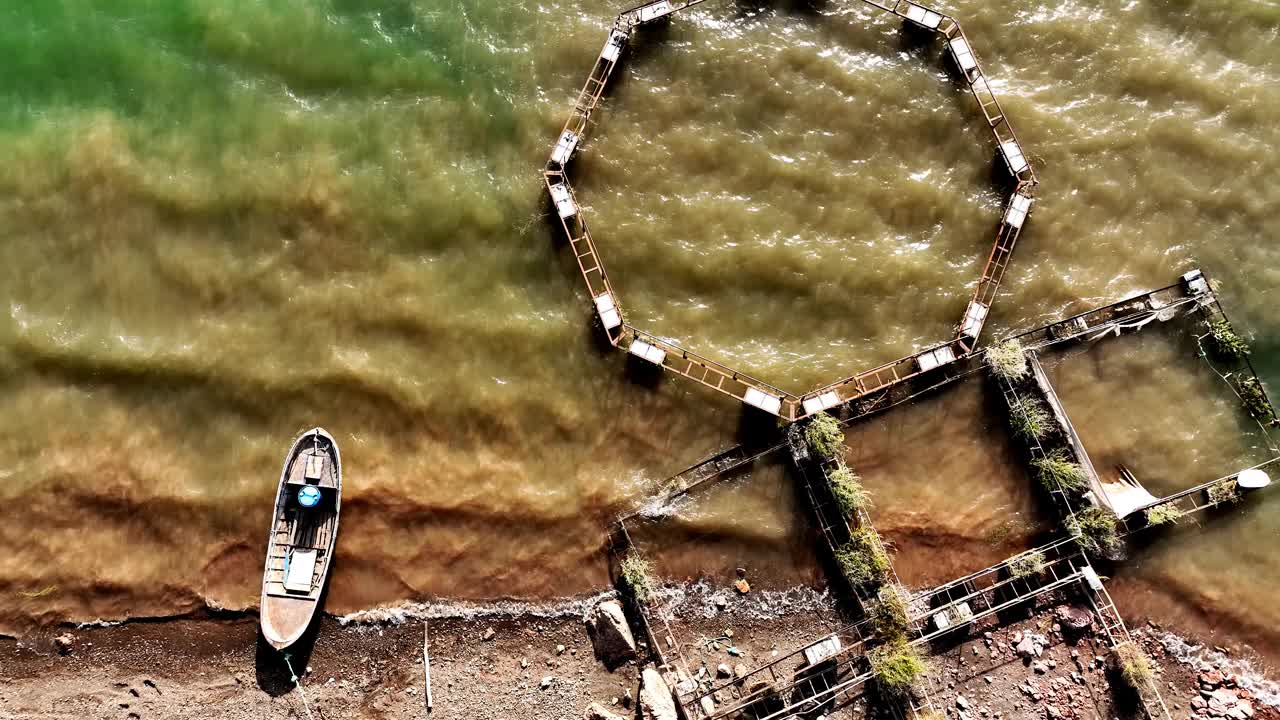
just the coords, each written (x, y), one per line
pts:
(304, 530)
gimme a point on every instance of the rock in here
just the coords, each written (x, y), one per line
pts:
(721, 601)
(524, 663)
(64, 642)
(559, 649)
(656, 702)
(739, 671)
(1039, 667)
(1027, 647)
(741, 586)
(723, 671)
(1075, 620)
(610, 635)
(546, 682)
(962, 702)
(626, 698)
(1052, 712)
(1224, 695)
(596, 711)
(488, 635)
(1211, 679)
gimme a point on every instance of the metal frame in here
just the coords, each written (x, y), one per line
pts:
(720, 377)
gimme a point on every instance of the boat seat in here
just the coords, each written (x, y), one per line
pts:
(313, 470)
(299, 568)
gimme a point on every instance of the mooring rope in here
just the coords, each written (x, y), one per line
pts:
(294, 677)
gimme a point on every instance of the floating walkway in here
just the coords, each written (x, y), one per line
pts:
(1190, 295)
(830, 672)
(1125, 498)
(722, 378)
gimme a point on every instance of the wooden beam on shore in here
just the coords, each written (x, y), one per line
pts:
(426, 664)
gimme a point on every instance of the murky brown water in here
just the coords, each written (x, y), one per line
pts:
(224, 224)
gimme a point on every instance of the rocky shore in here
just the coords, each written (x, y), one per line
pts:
(558, 668)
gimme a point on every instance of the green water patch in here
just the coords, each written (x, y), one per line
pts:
(177, 57)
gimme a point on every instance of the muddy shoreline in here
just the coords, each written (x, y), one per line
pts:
(537, 662)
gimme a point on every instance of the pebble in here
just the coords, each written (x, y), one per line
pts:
(546, 682)
(559, 649)
(488, 635)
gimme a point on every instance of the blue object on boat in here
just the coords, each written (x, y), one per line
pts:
(308, 496)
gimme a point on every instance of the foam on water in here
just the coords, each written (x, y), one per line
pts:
(1202, 657)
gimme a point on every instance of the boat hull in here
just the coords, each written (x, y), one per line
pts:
(301, 542)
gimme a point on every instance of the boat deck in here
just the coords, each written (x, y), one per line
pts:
(296, 529)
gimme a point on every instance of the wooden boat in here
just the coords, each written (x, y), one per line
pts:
(304, 529)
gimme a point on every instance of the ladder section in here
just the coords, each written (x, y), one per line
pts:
(583, 246)
(575, 128)
(791, 685)
(710, 373)
(700, 475)
(882, 377)
(651, 12)
(1198, 498)
(1118, 636)
(984, 295)
(1007, 144)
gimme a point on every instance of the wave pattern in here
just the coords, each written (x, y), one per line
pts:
(224, 222)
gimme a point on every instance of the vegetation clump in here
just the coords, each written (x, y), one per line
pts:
(1029, 420)
(637, 576)
(1007, 360)
(1057, 471)
(1164, 514)
(1134, 666)
(1224, 492)
(847, 487)
(897, 666)
(1028, 564)
(863, 559)
(1225, 342)
(1095, 528)
(824, 436)
(888, 614)
(1255, 400)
